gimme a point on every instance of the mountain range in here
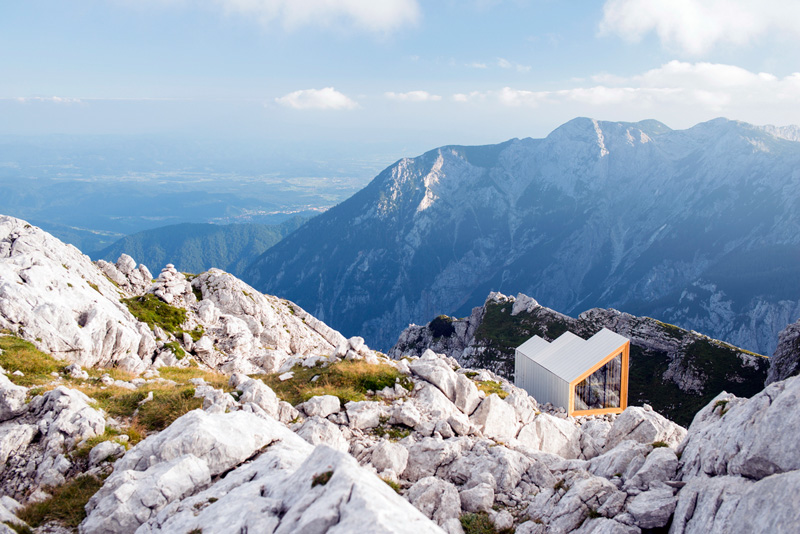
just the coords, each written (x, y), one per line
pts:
(699, 228)
(197, 247)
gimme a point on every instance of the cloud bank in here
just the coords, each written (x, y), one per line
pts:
(697, 26)
(413, 96)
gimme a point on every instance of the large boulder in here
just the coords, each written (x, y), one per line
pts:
(436, 499)
(553, 435)
(645, 426)
(286, 490)
(12, 399)
(495, 418)
(745, 437)
(437, 372)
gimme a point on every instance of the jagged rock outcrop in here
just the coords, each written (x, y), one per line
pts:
(246, 331)
(272, 481)
(786, 360)
(53, 295)
(739, 465)
(34, 444)
(674, 370)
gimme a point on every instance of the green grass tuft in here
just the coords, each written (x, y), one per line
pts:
(658, 444)
(176, 349)
(321, 479)
(65, 506)
(21, 355)
(394, 485)
(492, 386)
(155, 312)
(479, 523)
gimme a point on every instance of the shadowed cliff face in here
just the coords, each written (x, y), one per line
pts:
(695, 227)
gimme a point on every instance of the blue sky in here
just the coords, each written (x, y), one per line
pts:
(413, 74)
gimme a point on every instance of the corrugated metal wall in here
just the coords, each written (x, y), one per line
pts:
(540, 383)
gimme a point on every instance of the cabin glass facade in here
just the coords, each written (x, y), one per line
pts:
(602, 389)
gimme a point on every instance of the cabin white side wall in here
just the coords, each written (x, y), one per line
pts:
(540, 383)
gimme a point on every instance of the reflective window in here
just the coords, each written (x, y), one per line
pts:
(601, 389)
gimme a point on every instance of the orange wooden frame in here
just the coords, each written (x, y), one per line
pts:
(623, 397)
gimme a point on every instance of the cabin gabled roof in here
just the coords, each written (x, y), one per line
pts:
(570, 356)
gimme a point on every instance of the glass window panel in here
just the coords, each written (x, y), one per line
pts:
(601, 389)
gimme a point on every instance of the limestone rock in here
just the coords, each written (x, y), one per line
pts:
(322, 406)
(316, 430)
(653, 508)
(436, 499)
(289, 489)
(55, 297)
(365, 414)
(466, 395)
(553, 435)
(437, 372)
(131, 279)
(644, 426)
(660, 466)
(389, 456)
(495, 418)
(745, 437)
(103, 451)
(479, 498)
(12, 399)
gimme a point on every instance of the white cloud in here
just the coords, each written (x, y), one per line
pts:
(53, 99)
(476, 65)
(376, 16)
(696, 26)
(413, 96)
(506, 64)
(707, 86)
(327, 98)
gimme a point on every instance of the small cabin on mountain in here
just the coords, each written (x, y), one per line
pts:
(584, 376)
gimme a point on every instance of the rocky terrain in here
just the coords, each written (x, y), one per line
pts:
(694, 227)
(786, 360)
(674, 370)
(306, 431)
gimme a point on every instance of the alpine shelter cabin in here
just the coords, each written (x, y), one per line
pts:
(583, 376)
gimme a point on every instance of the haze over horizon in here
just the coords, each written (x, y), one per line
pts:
(396, 78)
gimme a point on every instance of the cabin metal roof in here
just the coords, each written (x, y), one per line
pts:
(570, 356)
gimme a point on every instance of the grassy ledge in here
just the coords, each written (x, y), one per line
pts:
(21, 355)
(155, 312)
(348, 380)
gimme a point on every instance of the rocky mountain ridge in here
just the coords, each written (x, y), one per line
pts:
(172, 445)
(675, 370)
(695, 227)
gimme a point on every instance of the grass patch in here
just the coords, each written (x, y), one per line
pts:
(722, 404)
(659, 444)
(21, 355)
(492, 386)
(66, 505)
(94, 286)
(321, 479)
(392, 484)
(184, 374)
(176, 349)
(479, 523)
(19, 529)
(347, 380)
(197, 333)
(169, 403)
(155, 312)
(109, 434)
(391, 432)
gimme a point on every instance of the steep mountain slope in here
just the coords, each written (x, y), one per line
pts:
(696, 227)
(338, 439)
(195, 248)
(674, 370)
